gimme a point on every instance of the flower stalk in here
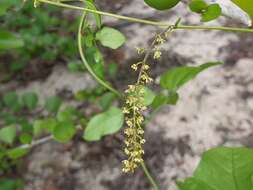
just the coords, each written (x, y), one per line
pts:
(135, 106)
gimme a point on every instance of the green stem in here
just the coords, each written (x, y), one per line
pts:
(149, 22)
(150, 178)
(86, 64)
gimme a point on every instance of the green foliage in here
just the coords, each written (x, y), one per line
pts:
(245, 5)
(69, 113)
(198, 6)
(212, 12)
(10, 184)
(172, 98)
(5, 5)
(106, 100)
(16, 153)
(173, 79)
(53, 104)
(159, 100)
(110, 37)
(64, 131)
(11, 100)
(25, 138)
(208, 12)
(162, 4)
(148, 96)
(9, 41)
(75, 66)
(105, 123)
(30, 100)
(44, 35)
(222, 169)
(8, 134)
(165, 99)
(47, 125)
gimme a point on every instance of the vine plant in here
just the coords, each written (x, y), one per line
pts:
(220, 168)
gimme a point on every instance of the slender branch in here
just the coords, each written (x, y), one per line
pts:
(150, 178)
(37, 142)
(86, 64)
(150, 49)
(149, 22)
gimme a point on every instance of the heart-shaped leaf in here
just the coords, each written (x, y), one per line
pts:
(212, 12)
(8, 134)
(110, 37)
(173, 79)
(245, 5)
(222, 169)
(106, 123)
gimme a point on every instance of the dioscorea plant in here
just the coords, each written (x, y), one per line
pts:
(220, 168)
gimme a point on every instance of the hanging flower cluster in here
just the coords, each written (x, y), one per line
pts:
(134, 106)
(134, 133)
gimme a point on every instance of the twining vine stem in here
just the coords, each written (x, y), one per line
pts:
(86, 64)
(148, 175)
(148, 22)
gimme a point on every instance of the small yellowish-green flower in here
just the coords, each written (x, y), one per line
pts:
(134, 67)
(159, 39)
(134, 139)
(140, 50)
(146, 67)
(146, 79)
(157, 54)
(35, 3)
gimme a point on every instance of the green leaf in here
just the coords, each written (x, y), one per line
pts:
(64, 131)
(173, 79)
(47, 125)
(95, 60)
(10, 184)
(25, 138)
(75, 66)
(162, 4)
(110, 37)
(106, 100)
(26, 126)
(9, 41)
(4, 6)
(222, 169)
(17, 153)
(162, 99)
(212, 12)
(106, 123)
(192, 183)
(8, 118)
(67, 114)
(53, 104)
(198, 6)
(159, 101)
(172, 98)
(245, 5)
(11, 100)
(8, 134)
(148, 96)
(30, 100)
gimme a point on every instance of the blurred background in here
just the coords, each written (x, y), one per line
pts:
(215, 109)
